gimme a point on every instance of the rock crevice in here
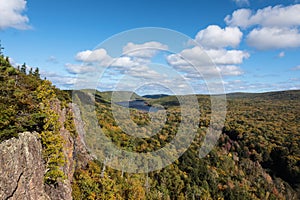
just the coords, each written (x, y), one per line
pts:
(22, 168)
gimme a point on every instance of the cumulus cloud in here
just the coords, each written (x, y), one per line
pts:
(144, 72)
(273, 27)
(215, 37)
(142, 53)
(273, 38)
(216, 57)
(227, 57)
(98, 55)
(79, 69)
(124, 62)
(145, 50)
(230, 70)
(189, 58)
(201, 57)
(277, 16)
(204, 61)
(239, 18)
(132, 62)
(133, 54)
(11, 14)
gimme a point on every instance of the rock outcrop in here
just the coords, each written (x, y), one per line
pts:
(74, 150)
(22, 168)
(63, 190)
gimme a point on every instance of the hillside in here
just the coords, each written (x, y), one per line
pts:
(38, 139)
(118, 95)
(257, 155)
(278, 95)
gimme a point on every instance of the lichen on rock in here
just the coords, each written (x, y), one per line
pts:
(22, 168)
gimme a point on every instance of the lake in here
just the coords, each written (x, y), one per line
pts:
(139, 105)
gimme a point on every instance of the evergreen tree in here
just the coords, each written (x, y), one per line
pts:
(23, 68)
(1, 48)
(36, 73)
(30, 71)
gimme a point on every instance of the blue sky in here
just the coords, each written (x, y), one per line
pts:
(255, 45)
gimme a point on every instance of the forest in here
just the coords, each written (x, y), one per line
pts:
(257, 155)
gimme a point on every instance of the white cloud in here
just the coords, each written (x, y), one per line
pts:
(273, 38)
(98, 55)
(215, 58)
(218, 56)
(144, 72)
(123, 62)
(277, 16)
(188, 58)
(132, 66)
(242, 2)
(11, 14)
(133, 61)
(230, 70)
(239, 18)
(275, 27)
(79, 69)
(296, 68)
(204, 61)
(227, 57)
(215, 37)
(146, 50)
(134, 54)
(281, 54)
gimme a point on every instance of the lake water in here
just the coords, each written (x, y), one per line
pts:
(139, 105)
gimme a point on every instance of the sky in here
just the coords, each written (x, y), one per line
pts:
(192, 46)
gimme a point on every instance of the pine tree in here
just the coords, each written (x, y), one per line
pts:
(36, 73)
(23, 68)
(1, 48)
(30, 71)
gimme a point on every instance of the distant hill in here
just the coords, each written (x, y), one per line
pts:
(118, 96)
(105, 97)
(169, 100)
(155, 96)
(276, 95)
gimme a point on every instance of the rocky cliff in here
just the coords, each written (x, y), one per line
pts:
(22, 167)
(74, 150)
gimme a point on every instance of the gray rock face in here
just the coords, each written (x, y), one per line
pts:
(81, 154)
(22, 168)
(74, 150)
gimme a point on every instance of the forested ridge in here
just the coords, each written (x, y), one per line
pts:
(26, 105)
(257, 155)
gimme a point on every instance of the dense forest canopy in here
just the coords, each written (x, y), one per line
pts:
(257, 155)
